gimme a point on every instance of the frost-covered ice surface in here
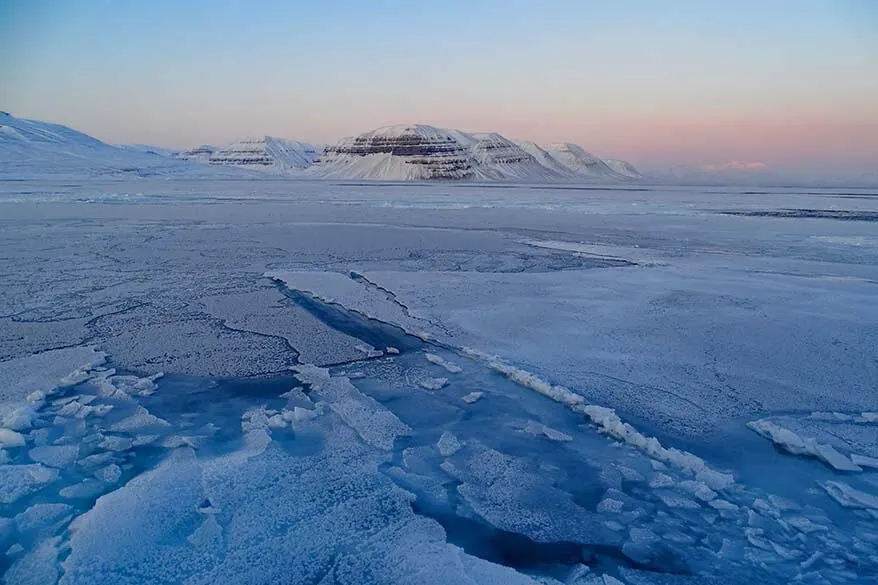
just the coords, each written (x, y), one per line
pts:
(270, 381)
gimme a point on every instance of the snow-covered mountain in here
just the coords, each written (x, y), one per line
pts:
(198, 154)
(422, 152)
(502, 159)
(147, 149)
(624, 168)
(582, 163)
(414, 152)
(266, 153)
(545, 158)
(30, 148)
(403, 152)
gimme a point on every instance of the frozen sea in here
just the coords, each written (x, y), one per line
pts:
(270, 381)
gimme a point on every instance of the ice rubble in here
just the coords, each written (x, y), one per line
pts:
(793, 443)
(201, 517)
(27, 380)
(850, 497)
(439, 361)
(376, 425)
(609, 422)
(17, 481)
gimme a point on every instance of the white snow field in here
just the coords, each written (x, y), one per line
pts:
(262, 380)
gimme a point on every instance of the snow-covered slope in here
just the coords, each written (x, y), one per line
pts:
(407, 152)
(501, 158)
(624, 168)
(544, 157)
(198, 154)
(147, 149)
(265, 153)
(30, 148)
(582, 163)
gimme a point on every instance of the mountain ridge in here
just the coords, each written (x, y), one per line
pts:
(406, 152)
(424, 152)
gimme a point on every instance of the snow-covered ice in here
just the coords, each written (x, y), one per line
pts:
(222, 381)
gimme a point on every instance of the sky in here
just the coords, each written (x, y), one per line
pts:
(786, 84)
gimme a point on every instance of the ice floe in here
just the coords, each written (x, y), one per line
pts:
(850, 497)
(793, 443)
(450, 367)
(433, 383)
(472, 397)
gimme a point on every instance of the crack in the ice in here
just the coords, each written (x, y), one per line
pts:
(391, 296)
(377, 333)
(223, 323)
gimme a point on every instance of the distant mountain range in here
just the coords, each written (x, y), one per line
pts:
(413, 152)
(29, 149)
(408, 152)
(265, 153)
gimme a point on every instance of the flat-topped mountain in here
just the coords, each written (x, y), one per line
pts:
(422, 152)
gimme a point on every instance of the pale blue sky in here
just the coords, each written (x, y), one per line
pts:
(658, 82)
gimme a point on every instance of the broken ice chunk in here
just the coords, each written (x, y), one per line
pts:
(19, 418)
(472, 397)
(276, 421)
(298, 414)
(433, 383)
(789, 441)
(87, 489)
(109, 474)
(139, 421)
(675, 500)
(439, 361)
(10, 438)
(368, 350)
(112, 443)
(850, 497)
(609, 505)
(17, 481)
(864, 461)
(448, 444)
(40, 516)
(54, 456)
(536, 428)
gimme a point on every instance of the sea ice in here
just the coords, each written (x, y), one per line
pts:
(17, 481)
(439, 361)
(40, 516)
(375, 424)
(114, 443)
(10, 438)
(433, 383)
(609, 422)
(54, 456)
(850, 497)
(472, 397)
(109, 474)
(793, 443)
(36, 567)
(140, 421)
(448, 444)
(535, 428)
(864, 461)
(86, 489)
